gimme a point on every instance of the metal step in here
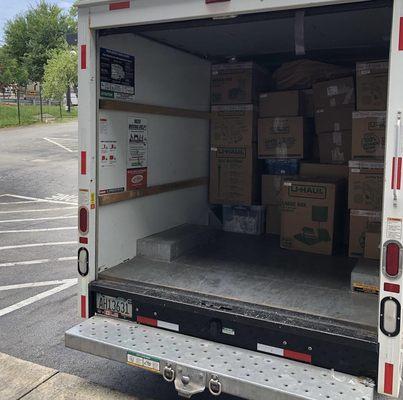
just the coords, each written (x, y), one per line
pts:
(194, 364)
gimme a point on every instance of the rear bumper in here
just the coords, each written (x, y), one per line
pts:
(320, 341)
(195, 364)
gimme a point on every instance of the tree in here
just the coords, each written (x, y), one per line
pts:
(31, 37)
(11, 73)
(60, 73)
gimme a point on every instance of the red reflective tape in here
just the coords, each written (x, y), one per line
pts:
(388, 379)
(83, 56)
(119, 6)
(147, 321)
(295, 355)
(401, 34)
(83, 162)
(83, 240)
(83, 306)
(396, 179)
(391, 287)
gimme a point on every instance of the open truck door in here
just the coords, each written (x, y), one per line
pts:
(391, 279)
(163, 347)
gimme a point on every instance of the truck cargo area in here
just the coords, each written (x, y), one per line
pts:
(253, 269)
(162, 247)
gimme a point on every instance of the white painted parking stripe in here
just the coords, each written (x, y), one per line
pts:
(34, 262)
(66, 283)
(37, 210)
(63, 138)
(37, 199)
(63, 228)
(36, 284)
(19, 202)
(37, 219)
(58, 144)
(21, 246)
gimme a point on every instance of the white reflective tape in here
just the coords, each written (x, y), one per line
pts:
(168, 325)
(270, 349)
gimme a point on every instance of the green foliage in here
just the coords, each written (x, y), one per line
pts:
(30, 114)
(11, 73)
(60, 73)
(30, 38)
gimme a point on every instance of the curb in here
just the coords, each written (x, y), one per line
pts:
(24, 380)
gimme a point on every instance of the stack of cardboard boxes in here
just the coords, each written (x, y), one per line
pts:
(233, 134)
(284, 138)
(315, 144)
(366, 168)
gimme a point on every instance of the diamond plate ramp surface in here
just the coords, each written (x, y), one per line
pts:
(244, 373)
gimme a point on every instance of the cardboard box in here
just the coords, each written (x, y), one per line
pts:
(233, 125)
(365, 185)
(280, 104)
(232, 175)
(372, 242)
(273, 219)
(237, 83)
(334, 93)
(310, 215)
(271, 189)
(369, 134)
(360, 223)
(283, 137)
(333, 119)
(335, 147)
(372, 85)
(365, 276)
(323, 170)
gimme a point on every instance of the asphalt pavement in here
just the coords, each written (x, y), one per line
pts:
(38, 302)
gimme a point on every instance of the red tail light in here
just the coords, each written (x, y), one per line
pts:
(83, 220)
(392, 259)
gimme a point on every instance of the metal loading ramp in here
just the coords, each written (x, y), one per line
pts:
(194, 364)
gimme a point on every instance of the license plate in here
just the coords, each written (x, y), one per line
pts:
(114, 306)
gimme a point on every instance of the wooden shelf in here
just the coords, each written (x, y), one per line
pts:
(150, 191)
(152, 109)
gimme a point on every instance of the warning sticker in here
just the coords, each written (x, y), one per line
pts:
(137, 154)
(142, 361)
(83, 197)
(394, 228)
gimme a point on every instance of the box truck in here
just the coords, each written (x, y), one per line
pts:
(162, 290)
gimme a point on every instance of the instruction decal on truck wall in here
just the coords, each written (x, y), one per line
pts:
(108, 145)
(109, 155)
(116, 75)
(137, 147)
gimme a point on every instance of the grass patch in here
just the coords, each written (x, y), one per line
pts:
(31, 114)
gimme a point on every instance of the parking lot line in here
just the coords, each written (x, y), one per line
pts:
(37, 219)
(66, 283)
(37, 199)
(33, 262)
(36, 284)
(7, 203)
(58, 144)
(62, 228)
(21, 246)
(37, 210)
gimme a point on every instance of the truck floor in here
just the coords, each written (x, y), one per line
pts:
(253, 269)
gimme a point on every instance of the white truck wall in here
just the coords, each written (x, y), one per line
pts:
(177, 147)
